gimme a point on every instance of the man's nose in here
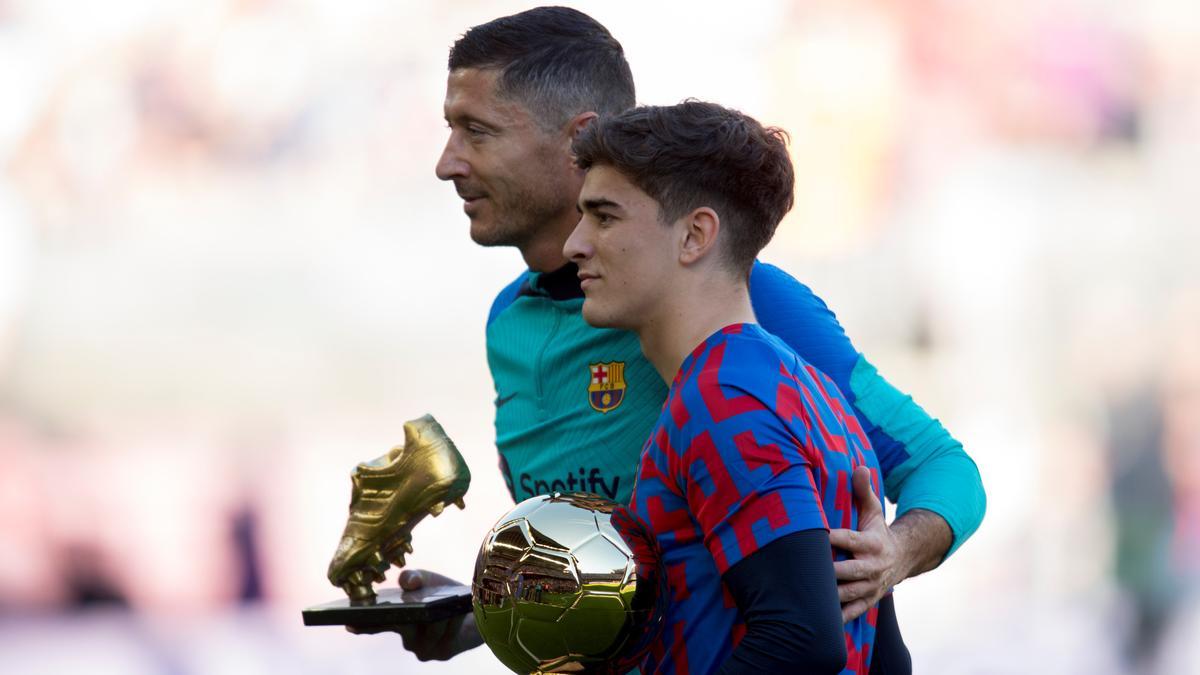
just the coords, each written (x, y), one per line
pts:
(451, 165)
(576, 247)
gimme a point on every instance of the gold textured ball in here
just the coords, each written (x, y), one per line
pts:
(569, 583)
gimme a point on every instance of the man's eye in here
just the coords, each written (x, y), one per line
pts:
(603, 219)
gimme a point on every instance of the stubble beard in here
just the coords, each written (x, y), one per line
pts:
(516, 220)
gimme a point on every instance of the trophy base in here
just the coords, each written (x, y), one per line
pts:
(393, 606)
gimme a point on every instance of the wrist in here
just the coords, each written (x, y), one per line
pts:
(906, 561)
(922, 540)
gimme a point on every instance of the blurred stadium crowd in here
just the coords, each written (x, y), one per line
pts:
(227, 273)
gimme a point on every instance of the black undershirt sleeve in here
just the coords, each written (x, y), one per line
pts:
(890, 656)
(787, 594)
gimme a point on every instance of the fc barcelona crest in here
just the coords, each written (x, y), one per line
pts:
(606, 389)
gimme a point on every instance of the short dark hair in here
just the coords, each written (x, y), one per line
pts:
(700, 154)
(557, 61)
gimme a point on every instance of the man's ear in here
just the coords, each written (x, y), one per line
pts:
(580, 122)
(574, 126)
(700, 230)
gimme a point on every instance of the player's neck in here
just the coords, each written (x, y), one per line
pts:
(544, 251)
(688, 318)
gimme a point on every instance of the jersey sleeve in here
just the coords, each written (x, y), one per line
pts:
(928, 468)
(746, 479)
(923, 466)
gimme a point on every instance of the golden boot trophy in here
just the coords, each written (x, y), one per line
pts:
(390, 495)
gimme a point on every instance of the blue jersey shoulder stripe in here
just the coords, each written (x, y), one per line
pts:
(506, 297)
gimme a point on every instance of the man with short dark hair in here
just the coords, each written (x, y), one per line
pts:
(575, 403)
(520, 87)
(750, 458)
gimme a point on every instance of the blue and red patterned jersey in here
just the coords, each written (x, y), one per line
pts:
(752, 444)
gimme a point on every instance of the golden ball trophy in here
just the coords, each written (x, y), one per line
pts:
(569, 583)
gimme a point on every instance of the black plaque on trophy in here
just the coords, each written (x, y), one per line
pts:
(393, 607)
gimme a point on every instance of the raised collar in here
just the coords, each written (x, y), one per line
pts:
(560, 284)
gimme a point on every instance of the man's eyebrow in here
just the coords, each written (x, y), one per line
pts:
(596, 203)
(465, 118)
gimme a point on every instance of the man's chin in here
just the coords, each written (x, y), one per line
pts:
(485, 233)
(597, 317)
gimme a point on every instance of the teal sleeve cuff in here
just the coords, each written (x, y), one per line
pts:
(931, 471)
(948, 485)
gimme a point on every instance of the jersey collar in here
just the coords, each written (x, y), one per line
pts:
(561, 284)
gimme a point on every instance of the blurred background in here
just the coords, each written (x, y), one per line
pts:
(228, 274)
